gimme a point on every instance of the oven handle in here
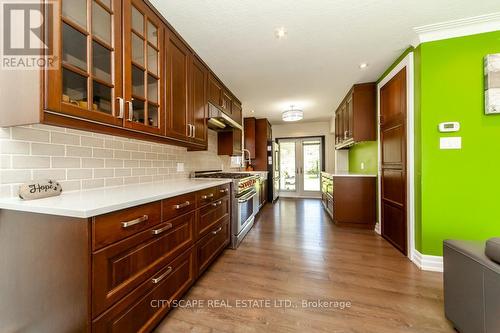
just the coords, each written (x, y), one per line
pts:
(247, 197)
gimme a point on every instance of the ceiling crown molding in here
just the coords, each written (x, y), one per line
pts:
(458, 28)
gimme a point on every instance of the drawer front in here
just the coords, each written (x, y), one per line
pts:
(178, 206)
(112, 227)
(212, 194)
(141, 310)
(118, 269)
(210, 246)
(212, 214)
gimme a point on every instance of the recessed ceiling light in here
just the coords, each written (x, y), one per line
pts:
(280, 33)
(252, 111)
(363, 65)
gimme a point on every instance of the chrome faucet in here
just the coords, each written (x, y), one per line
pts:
(243, 159)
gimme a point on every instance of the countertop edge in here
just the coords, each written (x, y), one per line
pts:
(25, 206)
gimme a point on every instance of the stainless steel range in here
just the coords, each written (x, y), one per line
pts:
(243, 192)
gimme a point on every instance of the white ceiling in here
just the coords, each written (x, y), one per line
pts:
(316, 64)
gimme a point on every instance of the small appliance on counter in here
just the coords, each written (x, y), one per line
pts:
(243, 197)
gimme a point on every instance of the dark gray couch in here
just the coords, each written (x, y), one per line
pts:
(472, 285)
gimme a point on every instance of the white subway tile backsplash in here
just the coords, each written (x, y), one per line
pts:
(14, 147)
(74, 174)
(92, 163)
(30, 134)
(30, 162)
(66, 162)
(15, 176)
(88, 141)
(103, 173)
(64, 138)
(55, 174)
(92, 183)
(74, 151)
(82, 160)
(47, 149)
(102, 153)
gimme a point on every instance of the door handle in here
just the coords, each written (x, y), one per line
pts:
(131, 223)
(130, 110)
(121, 103)
(215, 232)
(161, 277)
(168, 226)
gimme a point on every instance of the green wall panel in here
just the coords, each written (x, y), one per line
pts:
(364, 152)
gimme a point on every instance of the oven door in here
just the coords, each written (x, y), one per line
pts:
(245, 209)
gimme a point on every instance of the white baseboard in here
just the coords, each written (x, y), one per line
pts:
(378, 228)
(426, 262)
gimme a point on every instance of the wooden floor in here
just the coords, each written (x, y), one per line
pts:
(295, 253)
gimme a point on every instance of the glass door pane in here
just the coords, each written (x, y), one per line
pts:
(312, 165)
(287, 166)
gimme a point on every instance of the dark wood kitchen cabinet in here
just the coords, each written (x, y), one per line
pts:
(230, 142)
(355, 118)
(123, 71)
(178, 64)
(258, 134)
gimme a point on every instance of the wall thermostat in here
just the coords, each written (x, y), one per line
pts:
(447, 127)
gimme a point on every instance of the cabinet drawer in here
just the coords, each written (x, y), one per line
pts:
(212, 214)
(115, 226)
(118, 269)
(178, 206)
(209, 247)
(212, 194)
(142, 309)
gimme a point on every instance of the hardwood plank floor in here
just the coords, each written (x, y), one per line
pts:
(295, 253)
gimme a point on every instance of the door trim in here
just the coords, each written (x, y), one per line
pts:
(407, 62)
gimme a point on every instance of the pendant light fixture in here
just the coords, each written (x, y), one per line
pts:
(293, 114)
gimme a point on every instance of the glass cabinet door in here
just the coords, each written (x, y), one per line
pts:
(88, 82)
(143, 68)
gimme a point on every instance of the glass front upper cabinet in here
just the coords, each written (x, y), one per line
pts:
(143, 69)
(88, 83)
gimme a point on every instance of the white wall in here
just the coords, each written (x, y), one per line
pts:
(301, 129)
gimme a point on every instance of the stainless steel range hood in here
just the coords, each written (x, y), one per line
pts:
(219, 121)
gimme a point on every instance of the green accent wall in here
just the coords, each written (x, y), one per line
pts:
(459, 188)
(364, 152)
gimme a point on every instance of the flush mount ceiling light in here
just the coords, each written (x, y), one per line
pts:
(293, 114)
(363, 65)
(280, 33)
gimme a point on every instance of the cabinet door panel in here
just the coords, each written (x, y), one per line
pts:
(178, 58)
(198, 95)
(143, 79)
(236, 112)
(214, 91)
(89, 78)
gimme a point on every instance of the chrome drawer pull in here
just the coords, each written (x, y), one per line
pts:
(211, 195)
(161, 277)
(224, 190)
(168, 226)
(218, 203)
(134, 222)
(215, 232)
(182, 205)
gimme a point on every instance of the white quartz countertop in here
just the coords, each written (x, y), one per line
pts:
(89, 203)
(349, 174)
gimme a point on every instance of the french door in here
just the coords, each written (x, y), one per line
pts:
(301, 161)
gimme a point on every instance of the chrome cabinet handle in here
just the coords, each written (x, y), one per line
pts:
(190, 134)
(131, 223)
(224, 190)
(130, 110)
(215, 232)
(182, 205)
(204, 197)
(161, 277)
(194, 131)
(121, 103)
(218, 203)
(168, 226)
